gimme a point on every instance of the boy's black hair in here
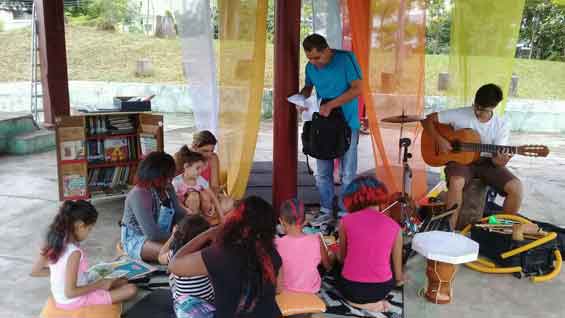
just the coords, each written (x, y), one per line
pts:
(488, 96)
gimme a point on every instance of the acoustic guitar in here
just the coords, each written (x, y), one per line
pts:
(467, 147)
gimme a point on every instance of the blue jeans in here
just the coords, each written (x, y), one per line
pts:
(324, 174)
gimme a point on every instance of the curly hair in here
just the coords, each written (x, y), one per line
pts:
(250, 231)
(364, 192)
(187, 229)
(61, 230)
(155, 171)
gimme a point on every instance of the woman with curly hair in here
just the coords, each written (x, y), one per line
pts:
(151, 208)
(242, 261)
(367, 240)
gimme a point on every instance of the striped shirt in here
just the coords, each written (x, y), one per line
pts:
(196, 286)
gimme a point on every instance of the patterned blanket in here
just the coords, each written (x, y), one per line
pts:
(337, 305)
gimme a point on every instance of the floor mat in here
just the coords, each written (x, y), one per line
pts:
(337, 305)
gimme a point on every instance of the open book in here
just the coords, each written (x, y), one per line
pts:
(125, 267)
(312, 105)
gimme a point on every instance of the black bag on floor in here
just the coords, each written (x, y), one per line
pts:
(326, 138)
(535, 261)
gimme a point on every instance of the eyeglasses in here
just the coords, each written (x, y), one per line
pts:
(484, 110)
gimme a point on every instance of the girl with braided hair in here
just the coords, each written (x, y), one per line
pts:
(242, 261)
(64, 261)
(367, 240)
(299, 271)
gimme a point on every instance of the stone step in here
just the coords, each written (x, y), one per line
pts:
(31, 142)
(16, 123)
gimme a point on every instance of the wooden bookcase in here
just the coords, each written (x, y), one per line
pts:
(98, 153)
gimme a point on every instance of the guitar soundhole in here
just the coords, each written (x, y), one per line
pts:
(456, 146)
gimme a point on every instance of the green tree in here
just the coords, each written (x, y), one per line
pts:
(543, 29)
(438, 27)
(108, 13)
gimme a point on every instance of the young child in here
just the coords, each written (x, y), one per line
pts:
(368, 241)
(192, 190)
(299, 271)
(183, 288)
(63, 259)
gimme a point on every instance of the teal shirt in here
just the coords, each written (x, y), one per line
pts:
(334, 79)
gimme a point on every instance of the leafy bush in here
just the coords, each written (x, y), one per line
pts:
(108, 13)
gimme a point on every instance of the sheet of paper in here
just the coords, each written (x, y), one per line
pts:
(312, 105)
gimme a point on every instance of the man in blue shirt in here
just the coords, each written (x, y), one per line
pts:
(336, 75)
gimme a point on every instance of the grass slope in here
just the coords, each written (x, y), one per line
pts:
(110, 56)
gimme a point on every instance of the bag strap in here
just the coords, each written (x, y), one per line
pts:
(310, 172)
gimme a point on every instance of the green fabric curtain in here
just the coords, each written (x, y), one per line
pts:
(483, 43)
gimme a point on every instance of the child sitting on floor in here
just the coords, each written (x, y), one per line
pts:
(183, 288)
(368, 240)
(193, 191)
(64, 261)
(301, 253)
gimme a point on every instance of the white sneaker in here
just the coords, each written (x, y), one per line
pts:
(323, 218)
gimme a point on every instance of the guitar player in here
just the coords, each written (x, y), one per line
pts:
(491, 169)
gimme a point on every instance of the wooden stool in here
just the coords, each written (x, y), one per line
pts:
(473, 206)
(302, 304)
(50, 310)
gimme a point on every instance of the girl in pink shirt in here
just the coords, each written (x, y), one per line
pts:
(64, 261)
(367, 239)
(301, 253)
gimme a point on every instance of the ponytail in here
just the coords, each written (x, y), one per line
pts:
(61, 230)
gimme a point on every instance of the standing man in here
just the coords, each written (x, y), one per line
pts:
(336, 75)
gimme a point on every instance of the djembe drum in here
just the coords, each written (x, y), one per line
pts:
(444, 250)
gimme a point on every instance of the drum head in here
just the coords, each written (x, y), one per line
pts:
(446, 247)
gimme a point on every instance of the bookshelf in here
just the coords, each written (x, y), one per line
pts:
(98, 153)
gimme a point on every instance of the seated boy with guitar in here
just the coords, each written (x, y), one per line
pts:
(490, 167)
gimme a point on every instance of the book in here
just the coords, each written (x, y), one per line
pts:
(74, 185)
(72, 150)
(116, 149)
(125, 267)
(147, 143)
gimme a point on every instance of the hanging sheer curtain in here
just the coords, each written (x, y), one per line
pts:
(243, 29)
(198, 59)
(327, 21)
(389, 36)
(483, 42)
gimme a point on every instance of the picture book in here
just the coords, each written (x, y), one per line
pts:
(74, 185)
(125, 267)
(147, 143)
(116, 149)
(72, 150)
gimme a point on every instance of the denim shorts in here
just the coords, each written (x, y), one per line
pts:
(132, 242)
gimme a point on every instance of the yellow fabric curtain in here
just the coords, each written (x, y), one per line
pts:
(389, 41)
(243, 29)
(483, 43)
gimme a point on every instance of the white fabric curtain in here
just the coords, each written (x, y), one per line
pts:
(327, 21)
(199, 61)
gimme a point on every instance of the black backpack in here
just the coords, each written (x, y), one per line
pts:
(326, 138)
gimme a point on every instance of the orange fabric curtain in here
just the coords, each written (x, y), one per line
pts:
(389, 41)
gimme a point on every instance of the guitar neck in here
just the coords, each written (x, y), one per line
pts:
(488, 148)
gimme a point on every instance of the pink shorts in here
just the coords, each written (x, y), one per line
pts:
(96, 297)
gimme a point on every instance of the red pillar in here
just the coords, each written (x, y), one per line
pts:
(285, 134)
(53, 59)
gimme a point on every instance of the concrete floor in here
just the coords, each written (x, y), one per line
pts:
(28, 201)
